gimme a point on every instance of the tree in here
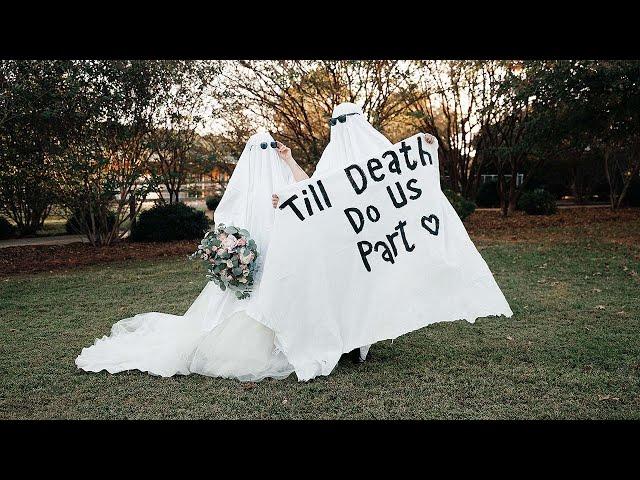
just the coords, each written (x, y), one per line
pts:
(296, 98)
(506, 139)
(107, 170)
(175, 142)
(616, 88)
(592, 106)
(41, 113)
(453, 101)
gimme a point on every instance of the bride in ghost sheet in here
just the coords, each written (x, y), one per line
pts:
(218, 335)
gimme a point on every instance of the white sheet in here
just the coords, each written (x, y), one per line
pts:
(317, 293)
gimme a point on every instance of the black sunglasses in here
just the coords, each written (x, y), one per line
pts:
(264, 145)
(340, 118)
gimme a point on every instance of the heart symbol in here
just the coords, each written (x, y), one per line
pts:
(427, 221)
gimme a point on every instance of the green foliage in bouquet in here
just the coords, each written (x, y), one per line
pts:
(462, 206)
(538, 202)
(229, 254)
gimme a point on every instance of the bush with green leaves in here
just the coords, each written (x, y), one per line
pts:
(168, 222)
(538, 202)
(488, 196)
(7, 230)
(213, 202)
(80, 221)
(463, 206)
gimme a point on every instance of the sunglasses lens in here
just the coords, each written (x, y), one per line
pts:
(332, 122)
(274, 144)
(342, 118)
(263, 145)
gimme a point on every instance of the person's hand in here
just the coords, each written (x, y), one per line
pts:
(284, 152)
(274, 200)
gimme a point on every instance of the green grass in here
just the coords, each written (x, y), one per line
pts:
(572, 349)
(53, 226)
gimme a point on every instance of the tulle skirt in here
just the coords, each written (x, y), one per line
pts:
(232, 345)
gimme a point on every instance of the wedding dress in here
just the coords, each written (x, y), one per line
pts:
(219, 334)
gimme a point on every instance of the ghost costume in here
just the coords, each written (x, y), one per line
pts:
(350, 142)
(218, 335)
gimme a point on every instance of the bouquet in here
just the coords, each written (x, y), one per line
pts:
(230, 256)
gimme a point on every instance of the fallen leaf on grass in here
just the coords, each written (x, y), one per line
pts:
(596, 290)
(285, 401)
(248, 386)
(602, 398)
(510, 338)
(599, 307)
(587, 368)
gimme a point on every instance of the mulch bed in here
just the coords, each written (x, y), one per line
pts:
(602, 223)
(620, 226)
(42, 258)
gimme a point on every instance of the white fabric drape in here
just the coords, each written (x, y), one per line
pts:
(319, 295)
(218, 335)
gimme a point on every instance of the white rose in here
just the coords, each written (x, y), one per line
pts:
(230, 242)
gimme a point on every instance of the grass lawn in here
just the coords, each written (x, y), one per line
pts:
(54, 225)
(572, 349)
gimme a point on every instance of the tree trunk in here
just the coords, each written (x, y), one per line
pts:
(132, 210)
(513, 192)
(610, 180)
(504, 204)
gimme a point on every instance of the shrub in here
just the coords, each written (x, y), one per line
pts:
(537, 202)
(164, 223)
(488, 195)
(213, 202)
(633, 193)
(76, 226)
(463, 206)
(7, 230)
